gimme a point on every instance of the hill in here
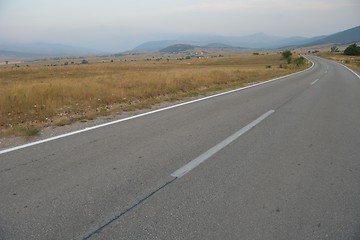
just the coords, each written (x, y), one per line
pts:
(154, 46)
(348, 36)
(177, 48)
(27, 50)
(254, 41)
(217, 46)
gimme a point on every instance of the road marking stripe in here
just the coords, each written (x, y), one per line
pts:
(147, 113)
(350, 70)
(314, 82)
(206, 155)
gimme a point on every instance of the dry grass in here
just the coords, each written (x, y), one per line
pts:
(36, 96)
(351, 61)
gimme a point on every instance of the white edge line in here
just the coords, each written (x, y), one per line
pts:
(350, 70)
(206, 155)
(355, 73)
(147, 113)
(314, 82)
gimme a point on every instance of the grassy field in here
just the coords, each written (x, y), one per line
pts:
(351, 61)
(39, 95)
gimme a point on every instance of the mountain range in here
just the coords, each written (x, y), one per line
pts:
(347, 36)
(254, 41)
(26, 50)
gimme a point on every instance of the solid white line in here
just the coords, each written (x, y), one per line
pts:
(355, 73)
(206, 155)
(314, 82)
(147, 113)
(350, 70)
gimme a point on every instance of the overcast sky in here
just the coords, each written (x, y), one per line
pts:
(121, 25)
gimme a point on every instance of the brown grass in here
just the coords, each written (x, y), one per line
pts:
(351, 61)
(36, 96)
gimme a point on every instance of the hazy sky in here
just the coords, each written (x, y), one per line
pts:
(121, 25)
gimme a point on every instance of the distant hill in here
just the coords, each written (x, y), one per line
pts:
(297, 41)
(154, 46)
(12, 54)
(217, 45)
(348, 36)
(254, 41)
(177, 48)
(27, 50)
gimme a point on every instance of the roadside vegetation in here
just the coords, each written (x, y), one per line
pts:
(36, 96)
(352, 50)
(350, 57)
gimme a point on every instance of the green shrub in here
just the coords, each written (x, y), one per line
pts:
(352, 50)
(287, 54)
(299, 61)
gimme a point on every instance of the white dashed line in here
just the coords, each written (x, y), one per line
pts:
(206, 155)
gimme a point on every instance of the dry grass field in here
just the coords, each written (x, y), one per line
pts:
(351, 61)
(39, 95)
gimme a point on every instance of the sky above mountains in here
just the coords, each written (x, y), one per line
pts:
(118, 25)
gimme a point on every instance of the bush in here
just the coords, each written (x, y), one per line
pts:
(352, 50)
(299, 61)
(287, 55)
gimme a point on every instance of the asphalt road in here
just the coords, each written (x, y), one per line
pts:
(276, 161)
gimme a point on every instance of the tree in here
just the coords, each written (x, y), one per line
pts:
(352, 50)
(287, 55)
(334, 49)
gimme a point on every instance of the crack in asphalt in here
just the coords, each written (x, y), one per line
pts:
(99, 229)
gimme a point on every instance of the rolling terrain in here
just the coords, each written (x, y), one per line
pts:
(278, 160)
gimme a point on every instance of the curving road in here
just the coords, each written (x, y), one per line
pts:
(280, 160)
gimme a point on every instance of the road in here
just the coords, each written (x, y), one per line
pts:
(277, 161)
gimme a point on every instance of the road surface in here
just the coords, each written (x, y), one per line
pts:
(277, 161)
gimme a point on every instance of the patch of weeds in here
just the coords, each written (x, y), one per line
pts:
(83, 118)
(129, 108)
(63, 122)
(26, 131)
(88, 117)
(103, 111)
(137, 106)
(193, 94)
(32, 131)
